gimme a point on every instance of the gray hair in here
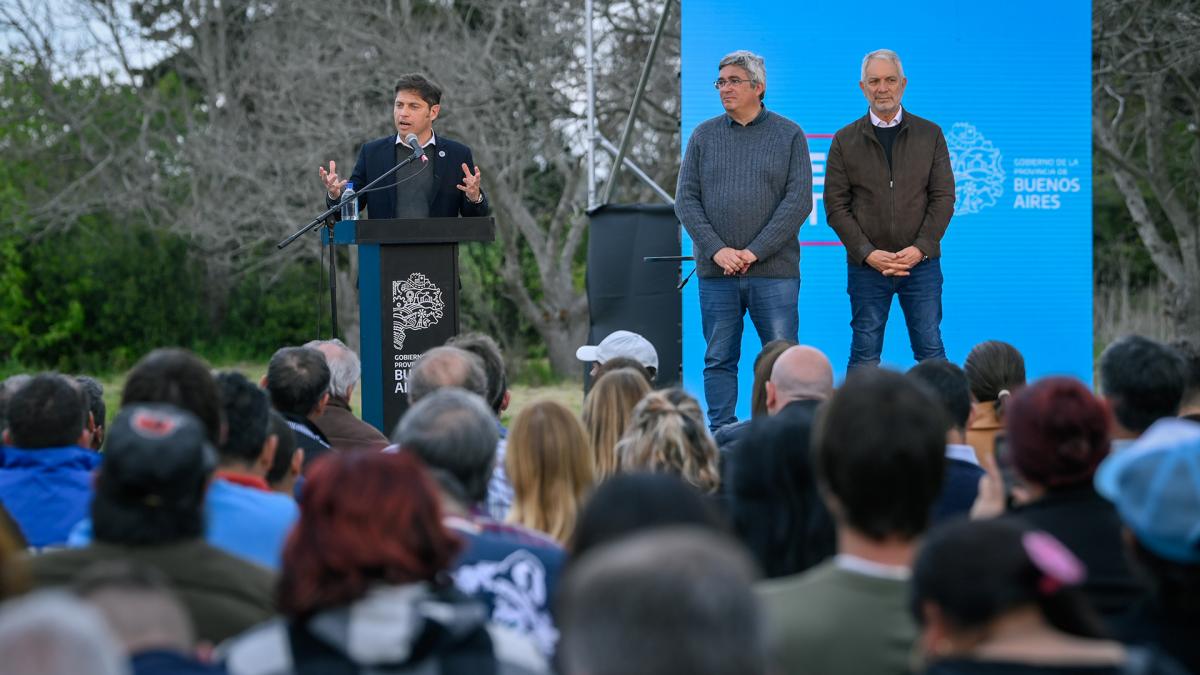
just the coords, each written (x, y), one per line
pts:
(53, 633)
(750, 62)
(455, 431)
(446, 367)
(882, 55)
(673, 600)
(345, 368)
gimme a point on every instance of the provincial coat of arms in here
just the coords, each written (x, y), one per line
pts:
(978, 173)
(416, 305)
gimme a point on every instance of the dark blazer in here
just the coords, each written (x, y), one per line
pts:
(960, 487)
(377, 156)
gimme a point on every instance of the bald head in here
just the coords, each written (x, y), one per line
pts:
(800, 373)
(446, 367)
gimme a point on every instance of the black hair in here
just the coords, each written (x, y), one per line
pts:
(1142, 379)
(427, 90)
(122, 518)
(993, 367)
(949, 384)
(48, 411)
(772, 496)
(93, 393)
(880, 451)
(181, 378)
(1189, 351)
(297, 378)
(246, 417)
(629, 503)
(975, 571)
(285, 448)
(488, 351)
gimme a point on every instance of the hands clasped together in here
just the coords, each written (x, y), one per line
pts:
(895, 264)
(734, 261)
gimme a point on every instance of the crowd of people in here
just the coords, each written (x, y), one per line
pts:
(944, 520)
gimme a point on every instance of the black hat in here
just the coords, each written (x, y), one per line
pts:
(156, 455)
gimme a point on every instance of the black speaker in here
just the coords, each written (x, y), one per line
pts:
(625, 292)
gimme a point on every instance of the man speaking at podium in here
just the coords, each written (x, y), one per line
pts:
(442, 184)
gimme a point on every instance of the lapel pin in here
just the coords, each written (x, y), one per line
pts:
(441, 153)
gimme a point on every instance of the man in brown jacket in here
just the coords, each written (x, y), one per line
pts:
(889, 195)
(345, 431)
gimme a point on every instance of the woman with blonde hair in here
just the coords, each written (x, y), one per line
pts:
(667, 434)
(550, 467)
(606, 414)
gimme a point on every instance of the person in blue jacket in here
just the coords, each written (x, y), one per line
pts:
(46, 465)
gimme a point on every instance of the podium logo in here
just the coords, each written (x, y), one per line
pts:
(978, 174)
(416, 305)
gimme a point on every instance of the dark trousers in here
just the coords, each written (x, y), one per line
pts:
(871, 299)
(724, 302)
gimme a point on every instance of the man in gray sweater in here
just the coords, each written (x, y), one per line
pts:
(745, 188)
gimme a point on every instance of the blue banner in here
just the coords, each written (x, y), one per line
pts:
(1010, 86)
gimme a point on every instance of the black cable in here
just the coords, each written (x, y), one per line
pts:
(424, 165)
(320, 283)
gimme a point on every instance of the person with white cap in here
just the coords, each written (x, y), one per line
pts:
(621, 343)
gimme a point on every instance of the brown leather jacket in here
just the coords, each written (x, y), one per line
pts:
(873, 206)
(347, 433)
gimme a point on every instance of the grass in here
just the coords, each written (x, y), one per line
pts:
(567, 392)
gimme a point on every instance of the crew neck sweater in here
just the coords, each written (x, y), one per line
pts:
(887, 138)
(746, 187)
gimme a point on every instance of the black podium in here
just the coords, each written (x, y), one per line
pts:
(408, 295)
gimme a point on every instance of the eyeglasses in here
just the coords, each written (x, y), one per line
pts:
(733, 82)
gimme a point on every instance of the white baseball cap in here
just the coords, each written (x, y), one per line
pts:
(620, 343)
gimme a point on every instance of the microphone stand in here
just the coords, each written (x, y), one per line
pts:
(326, 218)
(672, 258)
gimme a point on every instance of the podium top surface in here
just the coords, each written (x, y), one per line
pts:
(414, 230)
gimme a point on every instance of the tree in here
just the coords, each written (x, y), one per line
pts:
(1146, 124)
(246, 98)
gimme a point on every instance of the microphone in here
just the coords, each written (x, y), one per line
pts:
(412, 142)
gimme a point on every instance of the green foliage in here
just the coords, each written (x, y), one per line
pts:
(268, 311)
(97, 296)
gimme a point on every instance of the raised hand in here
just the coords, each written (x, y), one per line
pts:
(333, 185)
(470, 183)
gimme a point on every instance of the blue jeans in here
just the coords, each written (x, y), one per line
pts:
(724, 302)
(871, 298)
